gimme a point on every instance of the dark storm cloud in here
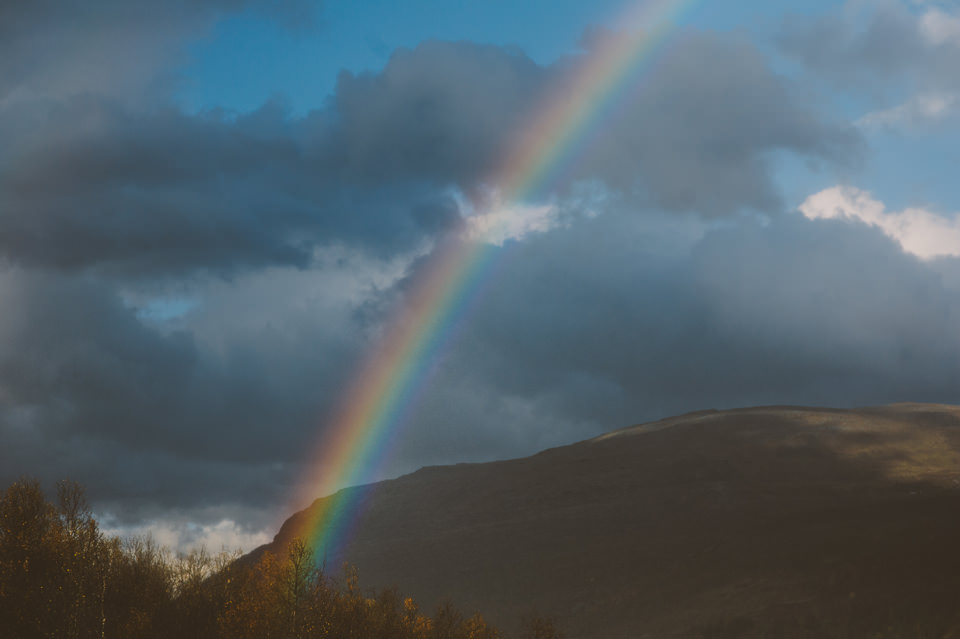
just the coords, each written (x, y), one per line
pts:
(96, 185)
(164, 193)
(600, 325)
(133, 483)
(611, 321)
(90, 182)
(104, 200)
(77, 363)
(148, 418)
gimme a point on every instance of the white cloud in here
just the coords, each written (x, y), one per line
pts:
(182, 537)
(920, 232)
(497, 222)
(940, 27)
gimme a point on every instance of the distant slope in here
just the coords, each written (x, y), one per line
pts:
(759, 522)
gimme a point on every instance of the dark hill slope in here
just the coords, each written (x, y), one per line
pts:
(759, 522)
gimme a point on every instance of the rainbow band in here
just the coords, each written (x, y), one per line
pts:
(387, 387)
(571, 115)
(388, 384)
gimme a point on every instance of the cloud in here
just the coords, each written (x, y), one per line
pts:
(689, 137)
(118, 48)
(703, 126)
(917, 111)
(600, 325)
(918, 231)
(443, 111)
(181, 535)
(90, 183)
(865, 41)
(885, 50)
(186, 295)
(500, 222)
(940, 27)
(604, 321)
(225, 397)
(163, 193)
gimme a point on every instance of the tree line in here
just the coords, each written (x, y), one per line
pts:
(62, 577)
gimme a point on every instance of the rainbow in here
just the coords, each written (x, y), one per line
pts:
(387, 384)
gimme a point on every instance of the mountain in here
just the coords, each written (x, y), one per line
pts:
(757, 522)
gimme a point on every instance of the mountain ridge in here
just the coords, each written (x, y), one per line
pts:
(748, 522)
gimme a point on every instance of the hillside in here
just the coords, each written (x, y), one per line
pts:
(774, 521)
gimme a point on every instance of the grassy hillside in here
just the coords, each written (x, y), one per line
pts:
(759, 522)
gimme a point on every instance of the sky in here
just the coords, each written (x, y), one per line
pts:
(211, 211)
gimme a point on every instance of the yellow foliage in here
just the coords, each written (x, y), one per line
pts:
(60, 577)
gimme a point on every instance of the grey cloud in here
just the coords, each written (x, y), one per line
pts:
(703, 126)
(444, 111)
(154, 420)
(104, 201)
(868, 45)
(888, 41)
(613, 320)
(112, 47)
(853, 317)
(164, 193)
(78, 368)
(96, 185)
(695, 135)
(596, 326)
(133, 484)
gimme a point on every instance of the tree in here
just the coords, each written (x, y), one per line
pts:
(538, 627)
(26, 519)
(60, 577)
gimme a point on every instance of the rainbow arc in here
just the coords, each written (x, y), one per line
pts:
(385, 389)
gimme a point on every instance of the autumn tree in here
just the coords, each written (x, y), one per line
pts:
(61, 577)
(538, 627)
(26, 519)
